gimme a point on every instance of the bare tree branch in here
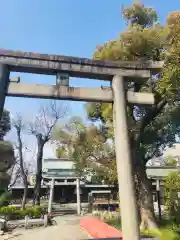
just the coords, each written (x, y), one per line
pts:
(42, 128)
(46, 119)
(19, 127)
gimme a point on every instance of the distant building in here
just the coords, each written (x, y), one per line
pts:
(159, 172)
(172, 152)
(65, 177)
(60, 169)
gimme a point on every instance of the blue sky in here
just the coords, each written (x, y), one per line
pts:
(68, 27)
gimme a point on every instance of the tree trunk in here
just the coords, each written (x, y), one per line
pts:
(23, 204)
(37, 188)
(23, 172)
(143, 185)
(145, 199)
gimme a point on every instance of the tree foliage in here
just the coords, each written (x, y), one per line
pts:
(7, 159)
(152, 128)
(62, 152)
(170, 161)
(87, 146)
(172, 197)
(6, 150)
(7, 155)
(93, 152)
(5, 124)
(65, 136)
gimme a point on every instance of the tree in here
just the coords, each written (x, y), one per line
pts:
(19, 127)
(86, 145)
(65, 136)
(62, 152)
(5, 124)
(153, 128)
(171, 192)
(93, 153)
(6, 162)
(42, 129)
(170, 161)
(6, 151)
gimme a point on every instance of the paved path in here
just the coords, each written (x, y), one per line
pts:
(67, 228)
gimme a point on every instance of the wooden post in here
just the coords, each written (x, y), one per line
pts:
(129, 217)
(4, 80)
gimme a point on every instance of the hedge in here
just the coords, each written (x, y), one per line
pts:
(13, 213)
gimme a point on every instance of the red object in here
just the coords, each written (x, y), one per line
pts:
(98, 229)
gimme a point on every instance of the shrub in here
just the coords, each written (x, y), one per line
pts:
(163, 234)
(38, 211)
(5, 198)
(107, 216)
(12, 213)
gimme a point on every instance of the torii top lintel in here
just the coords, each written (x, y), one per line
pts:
(30, 62)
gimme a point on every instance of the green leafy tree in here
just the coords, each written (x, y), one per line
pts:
(87, 146)
(92, 152)
(7, 159)
(66, 135)
(170, 161)
(172, 198)
(151, 128)
(6, 152)
(5, 124)
(61, 152)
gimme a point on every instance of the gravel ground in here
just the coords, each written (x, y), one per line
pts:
(67, 228)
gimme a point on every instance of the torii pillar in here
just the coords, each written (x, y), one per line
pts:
(129, 217)
(4, 81)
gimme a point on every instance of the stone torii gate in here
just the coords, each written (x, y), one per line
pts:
(115, 72)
